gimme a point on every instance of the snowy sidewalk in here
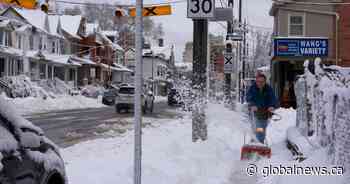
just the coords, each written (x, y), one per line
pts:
(169, 155)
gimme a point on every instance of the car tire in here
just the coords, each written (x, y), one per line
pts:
(117, 110)
(144, 109)
(151, 108)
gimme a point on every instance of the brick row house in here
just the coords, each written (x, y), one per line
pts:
(323, 31)
(48, 46)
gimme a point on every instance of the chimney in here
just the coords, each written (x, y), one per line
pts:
(160, 42)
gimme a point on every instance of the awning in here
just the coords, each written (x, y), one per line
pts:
(122, 68)
(83, 61)
(53, 58)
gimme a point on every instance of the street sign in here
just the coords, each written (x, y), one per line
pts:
(29, 4)
(301, 47)
(235, 36)
(152, 11)
(228, 63)
(200, 9)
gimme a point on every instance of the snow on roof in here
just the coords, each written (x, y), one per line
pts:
(23, 28)
(53, 23)
(71, 24)
(11, 50)
(54, 58)
(4, 23)
(106, 39)
(110, 33)
(91, 28)
(34, 17)
(122, 68)
(86, 61)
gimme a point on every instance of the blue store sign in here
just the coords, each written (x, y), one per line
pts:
(307, 47)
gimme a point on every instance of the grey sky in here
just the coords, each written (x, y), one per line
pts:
(178, 28)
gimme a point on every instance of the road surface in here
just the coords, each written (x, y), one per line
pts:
(69, 127)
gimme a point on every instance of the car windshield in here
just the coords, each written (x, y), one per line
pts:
(127, 90)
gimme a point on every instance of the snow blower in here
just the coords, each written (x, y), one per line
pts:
(254, 149)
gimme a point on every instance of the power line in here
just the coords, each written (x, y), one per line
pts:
(116, 5)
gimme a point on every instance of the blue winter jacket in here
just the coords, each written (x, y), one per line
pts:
(263, 99)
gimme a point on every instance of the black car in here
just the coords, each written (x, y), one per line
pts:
(109, 95)
(174, 97)
(26, 155)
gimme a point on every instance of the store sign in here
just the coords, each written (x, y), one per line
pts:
(301, 47)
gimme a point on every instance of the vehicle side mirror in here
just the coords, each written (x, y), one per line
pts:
(30, 140)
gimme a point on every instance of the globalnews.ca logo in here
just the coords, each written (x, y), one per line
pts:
(252, 169)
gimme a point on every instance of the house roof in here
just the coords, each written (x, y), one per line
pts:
(109, 42)
(53, 23)
(33, 17)
(71, 24)
(91, 28)
(110, 33)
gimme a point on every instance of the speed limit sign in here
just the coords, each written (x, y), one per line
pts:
(200, 9)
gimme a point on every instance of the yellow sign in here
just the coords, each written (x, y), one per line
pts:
(152, 11)
(29, 4)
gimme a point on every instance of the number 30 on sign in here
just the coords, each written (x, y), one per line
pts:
(200, 9)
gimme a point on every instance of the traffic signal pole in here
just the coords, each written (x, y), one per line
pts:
(137, 105)
(200, 41)
(228, 75)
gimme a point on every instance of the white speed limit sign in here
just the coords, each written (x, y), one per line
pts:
(200, 9)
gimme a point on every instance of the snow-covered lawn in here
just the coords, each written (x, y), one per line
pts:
(169, 155)
(32, 105)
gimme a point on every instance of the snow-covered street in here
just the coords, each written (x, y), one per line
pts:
(170, 156)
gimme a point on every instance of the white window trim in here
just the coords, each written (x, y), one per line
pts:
(304, 24)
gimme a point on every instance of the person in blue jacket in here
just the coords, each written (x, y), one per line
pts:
(261, 101)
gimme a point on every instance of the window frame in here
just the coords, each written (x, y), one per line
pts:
(302, 15)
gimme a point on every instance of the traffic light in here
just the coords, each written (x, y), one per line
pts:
(28, 4)
(44, 7)
(229, 46)
(119, 12)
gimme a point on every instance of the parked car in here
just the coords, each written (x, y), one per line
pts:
(109, 95)
(125, 100)
(26, 155)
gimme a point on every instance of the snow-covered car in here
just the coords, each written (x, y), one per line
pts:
(125, 100)
(26, 155)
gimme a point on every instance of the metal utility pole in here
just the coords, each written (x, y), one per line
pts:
(137, 105)
(200, 41)
(239, 51)
(244, 57)
(228, 75)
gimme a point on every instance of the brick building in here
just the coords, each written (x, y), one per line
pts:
(344, 33)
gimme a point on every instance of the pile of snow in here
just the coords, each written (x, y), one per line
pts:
(92, 91)
(32, 105)
(169, 155)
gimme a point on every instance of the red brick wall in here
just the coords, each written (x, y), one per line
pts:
(344, 34)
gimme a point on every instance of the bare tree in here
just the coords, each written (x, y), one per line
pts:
(72, 11)
(158, 31)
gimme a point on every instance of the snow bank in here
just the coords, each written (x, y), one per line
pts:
(169, 155)
(31, 105)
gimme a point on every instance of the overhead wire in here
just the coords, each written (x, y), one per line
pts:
(117, 5)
